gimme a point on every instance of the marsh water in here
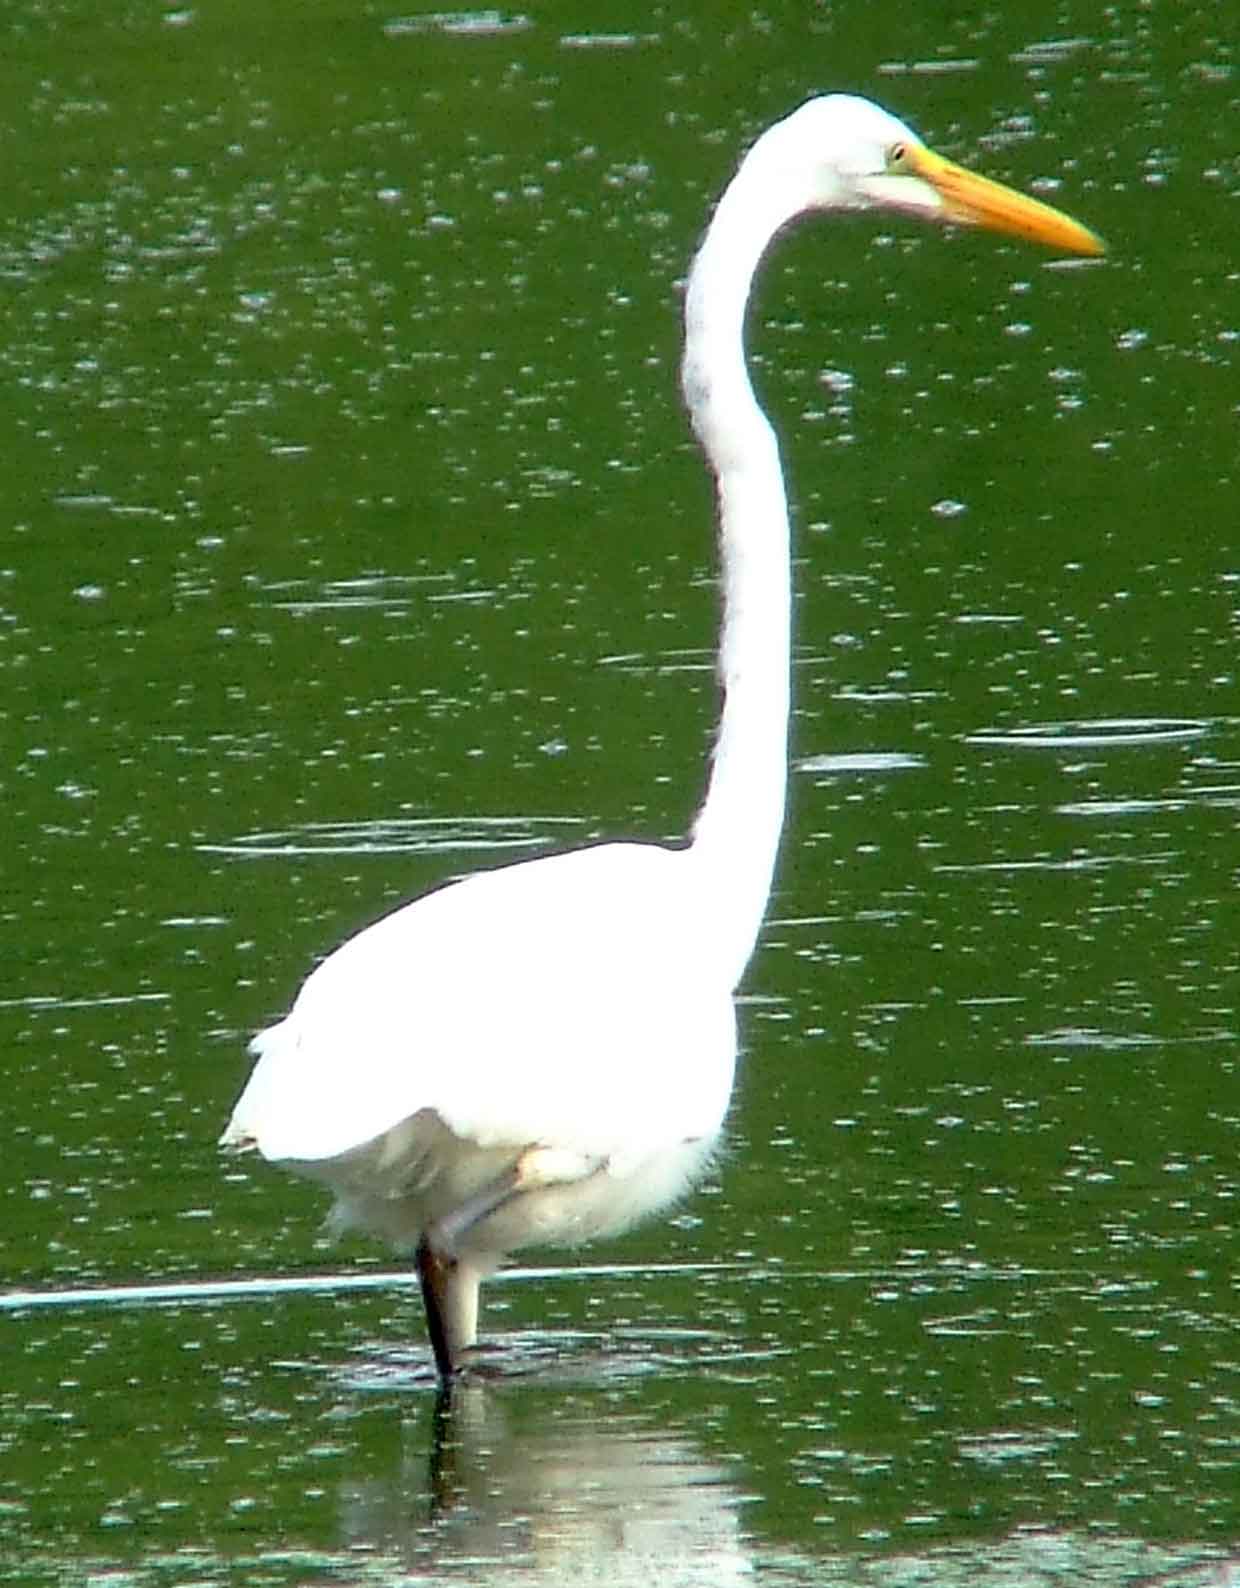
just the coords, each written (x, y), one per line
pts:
(351, 538)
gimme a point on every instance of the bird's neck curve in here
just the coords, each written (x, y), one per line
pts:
(736, 834)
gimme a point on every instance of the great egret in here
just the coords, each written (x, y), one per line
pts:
(544, 1052)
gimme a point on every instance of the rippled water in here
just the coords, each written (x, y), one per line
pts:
(353, 539)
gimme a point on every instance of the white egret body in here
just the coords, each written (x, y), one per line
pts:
(545, 1052)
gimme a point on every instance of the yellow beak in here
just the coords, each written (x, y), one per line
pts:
(975, 200)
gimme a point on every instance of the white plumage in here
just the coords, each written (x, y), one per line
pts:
(545, 1052)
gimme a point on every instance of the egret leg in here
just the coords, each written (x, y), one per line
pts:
(447, 1232)
(449, 1282)
(450, 1295)
(535, 1170)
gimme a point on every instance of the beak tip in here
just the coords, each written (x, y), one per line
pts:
(1089, 245)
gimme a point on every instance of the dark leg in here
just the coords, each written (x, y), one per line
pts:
(535, 1170)
(450, 1282)
(450, 1286)
(448, 1230)
(435, 1274)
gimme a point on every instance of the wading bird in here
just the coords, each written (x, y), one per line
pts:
(544, 1052)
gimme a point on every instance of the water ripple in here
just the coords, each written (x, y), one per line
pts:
(1099, 733)
(397, 836)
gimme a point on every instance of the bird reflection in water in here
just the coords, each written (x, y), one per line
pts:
(577, 1495)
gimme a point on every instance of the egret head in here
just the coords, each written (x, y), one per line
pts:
(855, 155)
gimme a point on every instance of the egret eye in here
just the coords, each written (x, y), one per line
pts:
(897, 156)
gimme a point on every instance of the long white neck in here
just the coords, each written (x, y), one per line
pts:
(736, 834)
